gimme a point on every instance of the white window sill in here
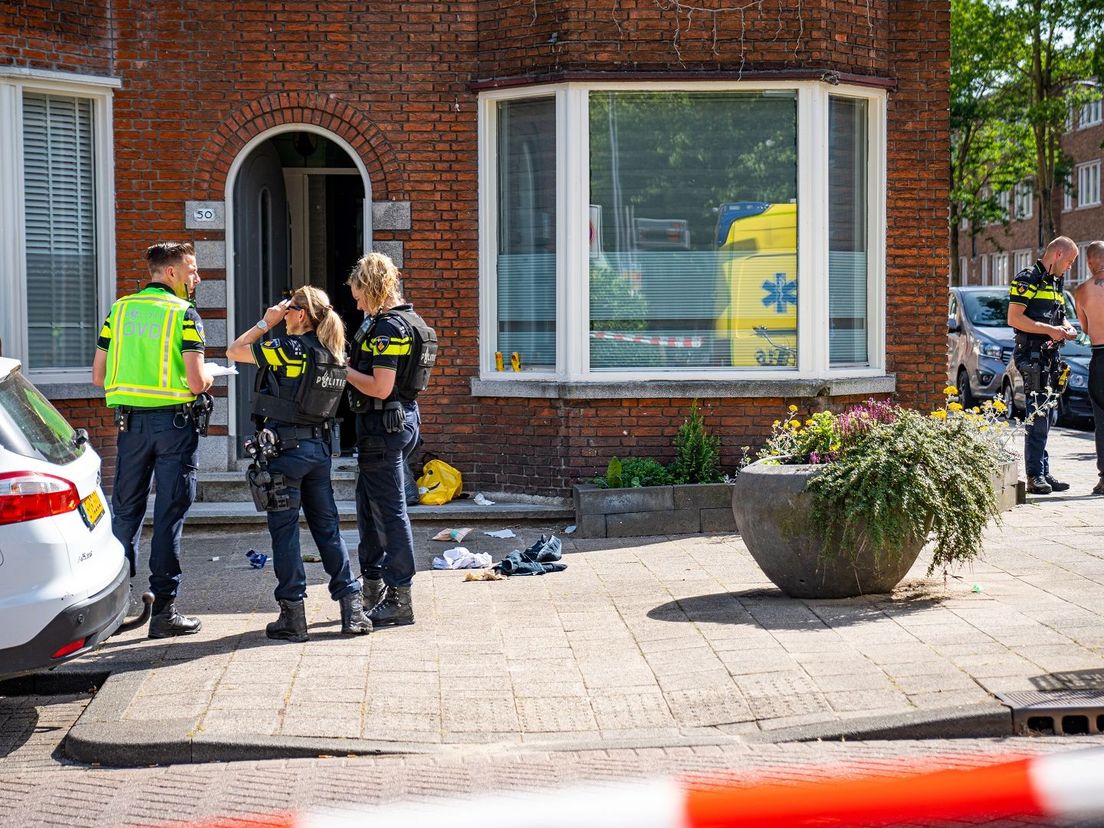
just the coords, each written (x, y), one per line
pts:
(61, 390)
(685, 389)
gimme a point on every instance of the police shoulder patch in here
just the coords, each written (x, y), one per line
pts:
(380, 343)
(1020, 288)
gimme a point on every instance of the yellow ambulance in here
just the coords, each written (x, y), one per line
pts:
(757, 260)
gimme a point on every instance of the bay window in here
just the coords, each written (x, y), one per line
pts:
(56, 220)
(698, 231)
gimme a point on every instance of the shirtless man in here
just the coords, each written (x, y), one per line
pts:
(1089, 299)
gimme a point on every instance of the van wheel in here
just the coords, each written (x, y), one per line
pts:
(965, 395)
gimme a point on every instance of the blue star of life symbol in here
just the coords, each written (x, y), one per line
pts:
(779, 293)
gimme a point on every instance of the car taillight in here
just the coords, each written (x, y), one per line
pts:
(71, 647)
(28, 495)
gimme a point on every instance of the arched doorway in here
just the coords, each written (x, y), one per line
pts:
(299, 208)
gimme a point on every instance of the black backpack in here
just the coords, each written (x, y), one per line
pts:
(414, 377)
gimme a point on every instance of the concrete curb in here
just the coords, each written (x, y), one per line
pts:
(973, 721)
(101, 737)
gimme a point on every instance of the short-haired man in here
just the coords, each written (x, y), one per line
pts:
(1090, 309)
(1037, 310)
(149, 360)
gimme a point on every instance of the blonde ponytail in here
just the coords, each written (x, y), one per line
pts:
(327, 325)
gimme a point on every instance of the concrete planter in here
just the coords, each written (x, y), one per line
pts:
(772, 512)
(1006, 481)
(653, 510)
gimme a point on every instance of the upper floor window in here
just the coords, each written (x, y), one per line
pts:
(1023, 200)
(58, 273)
(1023, 260)
(1090, 114)
(1088, 184)
(629, 232)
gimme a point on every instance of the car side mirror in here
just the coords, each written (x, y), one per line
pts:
(952, 325)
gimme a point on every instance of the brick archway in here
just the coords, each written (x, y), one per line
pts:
(325, 111)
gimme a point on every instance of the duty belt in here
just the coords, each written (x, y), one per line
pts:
(317, 432)
(179, 408)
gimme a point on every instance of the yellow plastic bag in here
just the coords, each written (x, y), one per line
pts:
(439, 483)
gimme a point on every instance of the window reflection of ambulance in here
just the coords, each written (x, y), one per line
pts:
(757, 261)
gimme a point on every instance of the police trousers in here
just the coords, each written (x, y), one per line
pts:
(386, 547)
(306, 471)
(159, 445)
(1039, 369)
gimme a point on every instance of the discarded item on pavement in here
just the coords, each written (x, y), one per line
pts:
(257, 560)
(312, 558)
(460, 558)
(484, 575)
(439, 483)
(541, 557)
(568, 530)
(481, 500)
(456, 535)
(214, 558)
(977, 588)
(501, 533)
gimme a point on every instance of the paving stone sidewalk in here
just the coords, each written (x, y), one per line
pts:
(653, 641)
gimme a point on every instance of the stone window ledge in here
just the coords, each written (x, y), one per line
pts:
(685, 389)
(53, 390)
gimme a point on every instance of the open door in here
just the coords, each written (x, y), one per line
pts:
(261, 267)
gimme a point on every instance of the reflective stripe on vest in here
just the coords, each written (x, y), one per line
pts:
(145, 364)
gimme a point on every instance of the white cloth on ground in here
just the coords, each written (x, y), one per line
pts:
(460, 558)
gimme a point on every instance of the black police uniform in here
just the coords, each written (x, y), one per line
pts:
(386, 540)
(304, 462)
(1037, 357)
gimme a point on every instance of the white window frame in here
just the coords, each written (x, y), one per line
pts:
(572, 231)
(14, 81)
(1084, 176)
(1000, 269)
(1090, 114)
(1022, 260)
(983, 269)
(1081, 267)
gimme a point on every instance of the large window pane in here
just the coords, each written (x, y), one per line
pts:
(847, 232)
(527, 233)
(60, 220)
(693, 210)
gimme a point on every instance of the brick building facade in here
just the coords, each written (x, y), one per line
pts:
(999, 251)
(472, 141)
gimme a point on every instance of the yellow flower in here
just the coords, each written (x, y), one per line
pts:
(777, 423)
(950, 391)
(808, 422)
(954, 406)
(939, 415)
(1000, 406)
(794, 425)
(793, 408)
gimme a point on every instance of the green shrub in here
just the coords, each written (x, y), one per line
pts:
(634, 472)
(696, 452)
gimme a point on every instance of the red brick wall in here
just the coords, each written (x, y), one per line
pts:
(201, 78)
(58, 35)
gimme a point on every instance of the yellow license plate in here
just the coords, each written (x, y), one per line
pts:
(92, 509)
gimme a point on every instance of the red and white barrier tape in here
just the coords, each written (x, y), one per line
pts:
(666, 341)
(1067, 785)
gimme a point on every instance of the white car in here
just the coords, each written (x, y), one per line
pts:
(64, 578)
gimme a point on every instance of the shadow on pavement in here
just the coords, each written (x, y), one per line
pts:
(1070, 680)
(772, 609)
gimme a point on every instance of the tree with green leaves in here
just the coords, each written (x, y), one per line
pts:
(1017, 66)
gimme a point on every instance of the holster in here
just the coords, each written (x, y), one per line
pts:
(122, 419)
(269, 491)
(202, 407)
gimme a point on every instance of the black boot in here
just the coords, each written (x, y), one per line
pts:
(292, 623)
(374, 591)
(353, 619)
(395, 610)
(166, 622)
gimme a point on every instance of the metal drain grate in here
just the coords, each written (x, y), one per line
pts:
(1061, 712)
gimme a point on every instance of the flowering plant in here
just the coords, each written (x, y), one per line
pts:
(890, 475)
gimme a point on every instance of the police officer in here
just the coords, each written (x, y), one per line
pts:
(301, 382)
(1037, 310)
(149, 361)
(387, 424)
